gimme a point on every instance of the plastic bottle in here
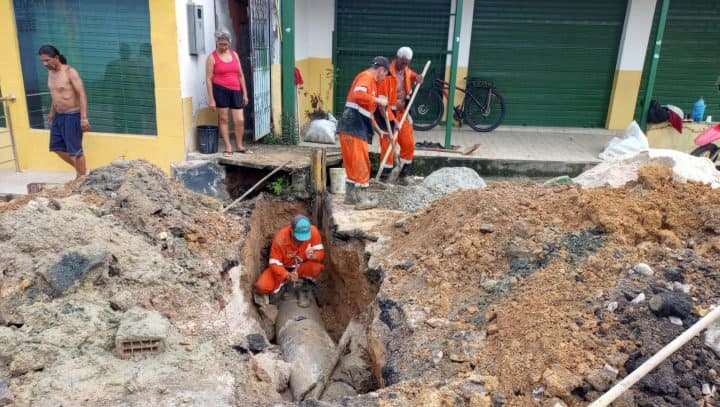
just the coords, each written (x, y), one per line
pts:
(698, 111)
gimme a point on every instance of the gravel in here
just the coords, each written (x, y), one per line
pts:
(436, 185)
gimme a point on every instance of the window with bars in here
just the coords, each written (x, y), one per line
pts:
(108, 43)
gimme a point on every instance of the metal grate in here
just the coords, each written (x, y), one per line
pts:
(259, 11)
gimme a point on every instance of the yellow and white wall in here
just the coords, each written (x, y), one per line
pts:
(464, 50)
(314, 25)
(193, 85)
(166, 146)
(630, 63)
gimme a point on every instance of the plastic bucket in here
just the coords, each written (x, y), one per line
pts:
(337, 180)
(207, 139)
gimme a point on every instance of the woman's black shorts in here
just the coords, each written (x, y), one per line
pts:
(225, 97)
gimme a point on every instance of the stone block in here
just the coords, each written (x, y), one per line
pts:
(560, 382)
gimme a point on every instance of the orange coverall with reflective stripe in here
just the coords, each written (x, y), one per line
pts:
(354, 147)
(287, 253)
(406, 139)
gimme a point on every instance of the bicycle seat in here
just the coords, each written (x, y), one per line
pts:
(479, 82)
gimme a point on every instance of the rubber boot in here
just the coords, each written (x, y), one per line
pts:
(350, 194)
(406, 174)
(385, 174)
(364, 201)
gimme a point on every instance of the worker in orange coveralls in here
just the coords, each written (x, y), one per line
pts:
(296, 256)
(398, 86)
(356, 128)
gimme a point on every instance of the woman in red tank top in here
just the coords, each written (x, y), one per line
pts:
(226, 90)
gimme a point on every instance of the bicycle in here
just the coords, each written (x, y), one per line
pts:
(483, 108)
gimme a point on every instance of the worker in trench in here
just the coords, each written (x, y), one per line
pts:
(398, 86)
(356, 128)
(296, 261)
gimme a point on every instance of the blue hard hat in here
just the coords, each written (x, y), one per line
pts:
(301, 228)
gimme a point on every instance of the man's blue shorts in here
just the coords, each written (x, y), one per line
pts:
(66, 134)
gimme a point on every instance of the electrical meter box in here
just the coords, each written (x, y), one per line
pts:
(196, 29)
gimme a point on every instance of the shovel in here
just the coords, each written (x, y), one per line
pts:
(402, 121)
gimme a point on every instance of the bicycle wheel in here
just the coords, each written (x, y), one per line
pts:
(710, 151)
(484, 108)
(427, 109)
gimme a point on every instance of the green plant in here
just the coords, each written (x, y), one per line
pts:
(279, 185)
(289, 135)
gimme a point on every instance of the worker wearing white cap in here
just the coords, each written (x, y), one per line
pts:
(398, 86)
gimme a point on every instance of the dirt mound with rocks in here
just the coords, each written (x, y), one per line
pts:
(123, 289)
(520, 294)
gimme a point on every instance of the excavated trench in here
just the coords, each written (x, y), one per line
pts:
(308, 337)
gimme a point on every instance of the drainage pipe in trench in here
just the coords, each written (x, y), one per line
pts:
(304, 342)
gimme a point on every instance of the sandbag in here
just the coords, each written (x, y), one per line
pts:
(321, 131)
(632, 142)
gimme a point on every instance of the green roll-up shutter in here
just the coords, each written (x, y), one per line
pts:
(689, 59)
(553, 60)
(108, 42)
(368, 28)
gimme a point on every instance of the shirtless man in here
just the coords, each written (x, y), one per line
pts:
(68, 112)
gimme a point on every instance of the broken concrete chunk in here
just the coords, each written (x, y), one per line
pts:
(560, 382)
(676, 304)
(437, 322)
(487, 228)
(29, 360)
(71, 269)
(555, 402)
(256, 343)
(678, 286)
(141, 332)
(640, 298)
(644, 269)
(204, 177)
(6, 396)
(270, 368)
(712, 337)
(601, 379)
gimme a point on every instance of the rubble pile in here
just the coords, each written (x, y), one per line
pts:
(521, 294)
(127, 289)
(122, 289)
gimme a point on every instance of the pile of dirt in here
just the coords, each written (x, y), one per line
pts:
(78, 262)
(527, 294)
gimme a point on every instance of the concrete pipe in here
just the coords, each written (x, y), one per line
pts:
(304, 342)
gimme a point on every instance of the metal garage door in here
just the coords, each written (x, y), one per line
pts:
(368, 28)
(553, 60)
(689, 58)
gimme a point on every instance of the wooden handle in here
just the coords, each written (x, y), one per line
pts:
(654, 361)
(402, 121)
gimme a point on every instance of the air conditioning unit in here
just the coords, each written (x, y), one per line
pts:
(196, 29)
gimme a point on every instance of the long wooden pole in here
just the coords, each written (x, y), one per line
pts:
(252, 188)
(404, 116)
(654, 361)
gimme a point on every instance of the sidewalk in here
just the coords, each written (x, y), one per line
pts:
(514, 150)
(16, 183)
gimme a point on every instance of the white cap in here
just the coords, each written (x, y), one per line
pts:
(405, 52)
